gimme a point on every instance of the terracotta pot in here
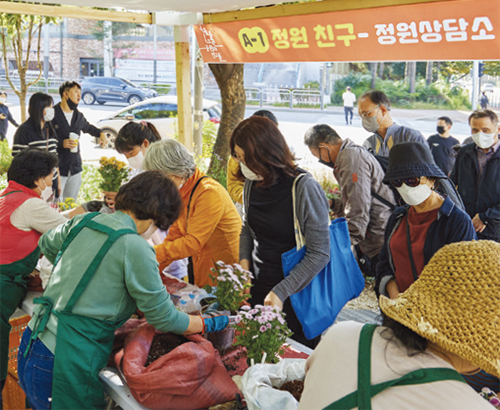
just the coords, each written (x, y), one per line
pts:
(222, 340)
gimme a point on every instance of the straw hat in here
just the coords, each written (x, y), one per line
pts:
(456, 303)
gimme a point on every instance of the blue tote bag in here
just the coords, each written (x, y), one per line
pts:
(319, 303)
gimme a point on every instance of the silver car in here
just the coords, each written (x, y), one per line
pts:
(160, 111)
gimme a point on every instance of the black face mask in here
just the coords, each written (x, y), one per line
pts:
(71, 104)
(440, 129)
(330, 163)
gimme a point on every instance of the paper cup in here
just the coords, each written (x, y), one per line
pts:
(75, 137)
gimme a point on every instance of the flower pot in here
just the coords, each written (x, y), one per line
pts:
(222, 340)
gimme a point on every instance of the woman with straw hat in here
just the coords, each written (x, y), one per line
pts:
(446, 323)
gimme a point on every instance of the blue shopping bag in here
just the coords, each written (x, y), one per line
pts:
(319, 303)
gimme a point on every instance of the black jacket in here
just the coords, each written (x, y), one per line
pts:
(4, 124)
(69, 161)
(482, 198)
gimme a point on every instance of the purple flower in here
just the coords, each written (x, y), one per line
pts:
(269, 325)
(495, 401)
(248, 316)
(263, 328)
(253, 311)
(237, 319)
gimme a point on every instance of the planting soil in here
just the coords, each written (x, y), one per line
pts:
(295, 387)
(163, 344)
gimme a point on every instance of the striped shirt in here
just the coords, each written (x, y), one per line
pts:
(29, 136)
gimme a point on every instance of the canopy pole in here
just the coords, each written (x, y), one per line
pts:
(182, 71)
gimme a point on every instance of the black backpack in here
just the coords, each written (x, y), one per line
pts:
(443, 186)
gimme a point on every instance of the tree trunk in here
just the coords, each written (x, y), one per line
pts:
(381, 69)
(428, 73)
(108, 48)
(373, 70)
(229, 77)
(412, 72)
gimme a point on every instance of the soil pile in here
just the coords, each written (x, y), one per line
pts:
(163, 344)
(295, 387)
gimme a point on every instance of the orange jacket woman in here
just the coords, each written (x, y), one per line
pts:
(208, 227)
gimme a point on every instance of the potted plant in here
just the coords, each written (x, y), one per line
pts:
(113, 173)
(262, 331)
(232, 282)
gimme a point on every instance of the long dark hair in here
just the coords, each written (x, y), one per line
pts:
(38, 102)
(266, 151)
(133, 134)
(413, 342)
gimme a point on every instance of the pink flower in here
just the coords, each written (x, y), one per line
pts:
(263, 328)
(248, 316)
(245, 307)
(237, 319)
(281, 320)
(269, 325)
(262, 319)
(254, 311)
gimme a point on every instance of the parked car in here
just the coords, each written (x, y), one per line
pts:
(113, 89)
(160, 111)
(488, 88)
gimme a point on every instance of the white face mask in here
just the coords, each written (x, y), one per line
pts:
(249, 174)
(45, 193)
(370, 124)
(136, 162)
(49, 114)
(414, 195)
(3, 100)
(148, 233)
(483, 140)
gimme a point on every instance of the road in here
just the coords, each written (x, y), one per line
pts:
(292, 123)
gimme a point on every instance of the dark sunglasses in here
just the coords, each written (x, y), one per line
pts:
(411, 182)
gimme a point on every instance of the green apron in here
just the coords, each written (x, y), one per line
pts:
(362, 398)
(14, 279)
(83, 343)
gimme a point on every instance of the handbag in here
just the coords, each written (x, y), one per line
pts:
(341, 280)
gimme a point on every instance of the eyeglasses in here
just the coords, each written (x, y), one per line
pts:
(411, 182)
(365, 114)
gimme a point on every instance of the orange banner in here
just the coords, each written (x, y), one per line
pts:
(451, 30)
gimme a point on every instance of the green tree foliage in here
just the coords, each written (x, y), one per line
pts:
(439, 94)
(17, 32)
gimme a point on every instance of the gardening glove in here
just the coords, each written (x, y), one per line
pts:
(214, 322)
(92, 206)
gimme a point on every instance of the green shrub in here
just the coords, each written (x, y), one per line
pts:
(436, 95)
(91, 180)
(5, 160)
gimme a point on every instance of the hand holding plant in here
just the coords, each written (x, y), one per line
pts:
(262, 330)
(113, 173)
(232, 282)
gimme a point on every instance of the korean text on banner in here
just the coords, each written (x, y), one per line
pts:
(450, 30)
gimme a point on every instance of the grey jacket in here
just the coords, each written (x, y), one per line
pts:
(313, 215)
(359, 173)
(396, 134)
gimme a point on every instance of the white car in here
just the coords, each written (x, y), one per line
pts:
(160, 111)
